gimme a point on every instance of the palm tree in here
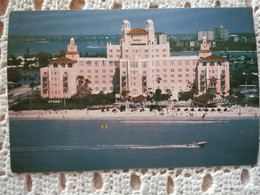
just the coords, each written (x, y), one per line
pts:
(158, 80)
(125, 94)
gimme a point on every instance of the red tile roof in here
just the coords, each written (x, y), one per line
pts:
(72, 52)
(213, 79)
(62, 59)
(214, 57)
(137, 31)
(204, 50)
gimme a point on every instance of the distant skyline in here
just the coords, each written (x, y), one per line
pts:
(108, 22)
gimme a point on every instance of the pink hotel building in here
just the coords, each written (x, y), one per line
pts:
(144, 64)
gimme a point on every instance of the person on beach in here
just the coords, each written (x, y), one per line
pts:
(203, 116)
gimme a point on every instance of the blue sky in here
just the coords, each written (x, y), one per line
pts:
(108, 22)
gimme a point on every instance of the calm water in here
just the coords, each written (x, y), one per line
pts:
(64, 145)
(91, 44)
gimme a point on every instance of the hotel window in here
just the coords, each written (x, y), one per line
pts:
(164, 70)
(164, 55)
(179, 81)
(172, 62)
(179, 75)
(110, 56)
(187, 62)
(157, 70)
(187, 70)
(96, 76)
(202, 71)
(96, 82)
(103, 63)
(81, 71)
(144, 64)
(111, 76)
(111, 50)
(55, 73)
(172, 81)
(104, 82)
(164, 81)
(179, 70)
(96, 71)
(146, 50)
(126, 56)
(204, 63)
(164, 50)
(134, 64)
(89, 71)
(157, 50)
(157, 56)
(194, 70)
(63, 65)
(144, 72)
(124, 72)
(219, 63)
(103, 76)
(212, 71)
(165, 75)
(172, 70)
(70, 65)
(126, 50)
(194, 62)
(187, 75)
(146, 56)
(172, 75)
(211, 63)
(88, 63)
(179, 62)
(55, 65)
(103, 71)
(104, 88)
(118, 56)
(165, 62)
(89, 77)
(96, 88)
(111, 71)
(123, 64)
(118, 50)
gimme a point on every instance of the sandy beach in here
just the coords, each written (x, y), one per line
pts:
(188, 113)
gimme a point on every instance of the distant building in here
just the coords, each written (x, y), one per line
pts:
(221, 33)
(209, 34)
(140, 63)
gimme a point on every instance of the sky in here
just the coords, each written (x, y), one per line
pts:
(108, 22)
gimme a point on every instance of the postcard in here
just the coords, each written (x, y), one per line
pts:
(122, 89)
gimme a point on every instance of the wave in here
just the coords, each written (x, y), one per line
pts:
(170, 122)
(98, 147)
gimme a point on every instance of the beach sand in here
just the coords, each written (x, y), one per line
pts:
(235, 112)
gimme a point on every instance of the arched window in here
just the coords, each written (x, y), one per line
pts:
(96, 88)
(219, 63)
(63, 65)
(104, 88)
(134, 92)
(70, 65)
(55, 65)
(211, 63)
(204, 63)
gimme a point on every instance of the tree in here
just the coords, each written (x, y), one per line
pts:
(62, 53)
(43, 58)
(157, 95)
(158, 80)
(125, 94)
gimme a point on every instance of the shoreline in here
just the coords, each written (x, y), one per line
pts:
(165, 114)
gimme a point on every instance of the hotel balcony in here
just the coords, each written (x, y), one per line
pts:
(65, 79)
(44, 79)
(45, 85)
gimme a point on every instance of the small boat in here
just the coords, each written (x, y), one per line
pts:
(200, 144)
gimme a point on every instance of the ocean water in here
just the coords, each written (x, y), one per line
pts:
(73, 145)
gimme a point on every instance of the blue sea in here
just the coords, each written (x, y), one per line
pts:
(73, 145)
